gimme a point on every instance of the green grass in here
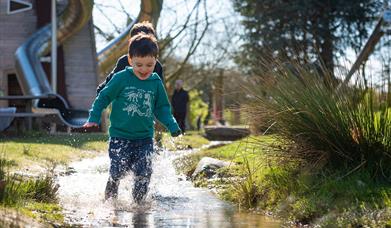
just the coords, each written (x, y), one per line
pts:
(348, 201)
(19, 192)
(40, 149)
(323, 127)
(44, 212)
(191, 139)
(247, 148)
(10, 217)
(260, 179)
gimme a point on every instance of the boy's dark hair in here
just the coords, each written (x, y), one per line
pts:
(145, 27)
(142, 45)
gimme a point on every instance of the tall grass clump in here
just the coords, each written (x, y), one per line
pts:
(16, 190)
(324, 125)
(247, 189)
(9, 194)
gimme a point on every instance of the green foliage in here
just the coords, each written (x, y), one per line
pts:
(26, 150)
(46, 212)
(246, 189)
(198, 108)
(42, 189)
(90, 141)
(9, 194)
(342, 129)
(264, 180)
(325, 197)
(192, 139)
(15, 189)
(301, 30)
(303, 210)
(9, 191)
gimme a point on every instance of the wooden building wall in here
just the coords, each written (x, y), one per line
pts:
(79, 53)
(81, 68)
(14, 29)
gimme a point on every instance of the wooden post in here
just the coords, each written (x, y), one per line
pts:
(218, 98)
(236, 115)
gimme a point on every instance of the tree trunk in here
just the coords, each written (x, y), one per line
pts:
(327, 46)
(150, 11)
(218, 99)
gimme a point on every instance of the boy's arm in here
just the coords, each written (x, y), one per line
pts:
(105, 97)
(163, 111)
(120, 65)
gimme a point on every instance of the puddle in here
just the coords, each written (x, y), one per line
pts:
(172, 201)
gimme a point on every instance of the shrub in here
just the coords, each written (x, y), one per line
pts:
(15, 189)
(323, 126)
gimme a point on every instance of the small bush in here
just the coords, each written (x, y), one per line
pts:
(15, 189)
(348, 128)
(43, 189)
(9, 186)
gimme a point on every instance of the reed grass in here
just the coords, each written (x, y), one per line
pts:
(346, 128)
(16, 190)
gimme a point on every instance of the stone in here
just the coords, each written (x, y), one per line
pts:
(209, 166)
(225, 133)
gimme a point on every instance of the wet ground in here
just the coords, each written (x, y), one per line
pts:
(172, 201)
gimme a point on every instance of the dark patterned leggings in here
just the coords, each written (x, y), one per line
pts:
(130, 155)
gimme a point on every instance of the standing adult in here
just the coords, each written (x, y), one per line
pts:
(179, 101)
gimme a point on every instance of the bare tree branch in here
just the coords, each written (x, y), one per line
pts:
(105, 35)
(193, 46)
(128, 17)
(184, 26)
(118, 30)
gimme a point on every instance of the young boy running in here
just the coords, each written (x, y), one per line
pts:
(137, 96)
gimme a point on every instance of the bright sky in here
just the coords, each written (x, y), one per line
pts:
(172, 16)
(219, 12)
(113, 10)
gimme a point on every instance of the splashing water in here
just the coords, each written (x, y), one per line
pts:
(171, 201)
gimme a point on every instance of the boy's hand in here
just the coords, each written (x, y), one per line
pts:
(176, 133)
(90, 124)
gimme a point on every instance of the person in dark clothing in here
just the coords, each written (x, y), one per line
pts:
(123, 62)
(179, 101)
(199, 122)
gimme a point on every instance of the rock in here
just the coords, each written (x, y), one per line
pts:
(225, 133)
(181, 178)
(69, 171)
(208, 166)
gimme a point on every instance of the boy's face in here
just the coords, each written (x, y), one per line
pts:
(143, 66)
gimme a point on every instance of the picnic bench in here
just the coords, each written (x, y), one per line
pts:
(7, 114)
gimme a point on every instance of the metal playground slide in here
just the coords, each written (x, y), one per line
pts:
(30, 72)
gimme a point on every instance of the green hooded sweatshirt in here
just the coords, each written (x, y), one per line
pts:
(135, 103)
